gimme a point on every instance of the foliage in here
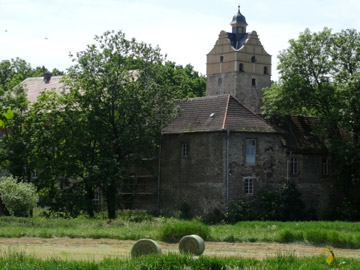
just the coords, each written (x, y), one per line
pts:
(12, 261)
(118, 102)
(319, 76)
(15, 145)
(192, 84)
(173, 232)
(284, 205)
(18, 197)
(239, 211)
(214, 217)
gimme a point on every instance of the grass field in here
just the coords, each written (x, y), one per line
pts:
(12, 261)
(337, 234)
(82, 243)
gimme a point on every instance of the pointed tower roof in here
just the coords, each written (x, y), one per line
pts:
(238, 18)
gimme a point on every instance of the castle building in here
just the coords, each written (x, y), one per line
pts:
(220, 149)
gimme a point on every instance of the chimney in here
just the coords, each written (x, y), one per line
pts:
(47, 77)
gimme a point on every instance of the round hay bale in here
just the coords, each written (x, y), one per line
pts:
(145, 247)
(192, 244)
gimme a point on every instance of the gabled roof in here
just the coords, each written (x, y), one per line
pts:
(299, 136)
(216, 113)
(35, 85)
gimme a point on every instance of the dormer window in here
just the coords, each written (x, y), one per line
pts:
(253, 59)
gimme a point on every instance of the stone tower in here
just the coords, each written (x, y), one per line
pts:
(239, 65)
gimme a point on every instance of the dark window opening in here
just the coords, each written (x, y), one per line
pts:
(266, 70)
(253, 59)
(219, 81)
(185, 150)
(325, 167)
(253, 82)
(221, 59)
(241, 67)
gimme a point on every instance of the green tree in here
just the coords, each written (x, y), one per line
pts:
(118, 101)
(319, 76)
(15, 144)
(191, 82)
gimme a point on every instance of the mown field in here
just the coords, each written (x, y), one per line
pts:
(128, 226)
(337, 234)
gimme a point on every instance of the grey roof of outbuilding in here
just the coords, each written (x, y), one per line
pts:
(216, 113)
(35, 85)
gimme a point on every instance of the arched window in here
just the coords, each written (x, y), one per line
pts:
(253, 59)
(266, 70)
(241, 67)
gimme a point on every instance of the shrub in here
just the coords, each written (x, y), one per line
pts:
(136, 215)
(173, 232)
(214, 217)
(239, 211)
(271, 205)
(18, 197)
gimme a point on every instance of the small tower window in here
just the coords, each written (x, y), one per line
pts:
(219, 81)
(253, 59)
(253, 82)
(241, 67)
(221, 59)
(266, 70)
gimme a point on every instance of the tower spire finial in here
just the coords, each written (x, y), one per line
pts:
(239, 8)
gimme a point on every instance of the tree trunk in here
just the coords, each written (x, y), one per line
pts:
(111, 201)
(89, 202)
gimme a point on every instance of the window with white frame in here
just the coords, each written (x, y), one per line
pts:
(250, 151)
(185, 150)
(249, 185)
(324, 167)
(294, 165)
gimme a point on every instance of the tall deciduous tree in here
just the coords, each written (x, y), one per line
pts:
(118, 101)
(320, 76)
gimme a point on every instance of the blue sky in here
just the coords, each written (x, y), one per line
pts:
(44, 32)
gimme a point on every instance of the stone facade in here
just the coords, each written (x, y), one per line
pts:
(215, 171)
(242, 72)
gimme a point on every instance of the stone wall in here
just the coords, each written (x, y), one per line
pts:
(197, 179)
(200, 179)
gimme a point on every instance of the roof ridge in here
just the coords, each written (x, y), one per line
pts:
(226, 111)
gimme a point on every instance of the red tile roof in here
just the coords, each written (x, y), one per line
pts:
(216, 113)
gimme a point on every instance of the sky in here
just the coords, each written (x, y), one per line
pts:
(44, 32)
